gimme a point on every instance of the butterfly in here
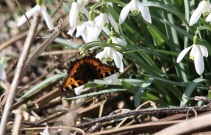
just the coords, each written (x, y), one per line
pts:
(86, 69)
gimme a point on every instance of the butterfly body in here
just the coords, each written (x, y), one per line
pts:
(86, 69)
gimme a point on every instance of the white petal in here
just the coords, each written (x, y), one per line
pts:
(90, 38)
(80, 29)
(120, 55)
(106, 30)
(80, 2)
(118, 60)
(101, 20)
(113, 23)
(29, 13)
(124, 13)
(79, 89)
(183, 53)
(204, 50)
(47, 18)
(195, 16)
(204, 6)
(111, 78)
(145, 13)
(198, 61)
(109, 52)
(45, 131)
(73, 15)
(101, 54)
(96, 31)
(2, 73)
(134, 5)
(119, 41)
(93, 31)
(84, 37)
(71, 31)
(208, 19)
(97, 19)
(193, 51)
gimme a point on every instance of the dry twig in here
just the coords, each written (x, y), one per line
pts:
(187, 126)
(142, 112)
(17, 75)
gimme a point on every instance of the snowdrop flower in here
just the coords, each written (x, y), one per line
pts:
(203, 8)
(103, 21)
(74, 16)
(110, 53)
(196, 54)
(37, 9)
(135, 7)
(88, 30)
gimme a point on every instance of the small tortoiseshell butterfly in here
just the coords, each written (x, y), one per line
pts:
(86, 69)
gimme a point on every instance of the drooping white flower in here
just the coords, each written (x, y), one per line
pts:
(103, 21)
(196, 54)
(135, 6)
(89, 31)
(111, 54)
(203, 8)
(37, 9)
(74, 16)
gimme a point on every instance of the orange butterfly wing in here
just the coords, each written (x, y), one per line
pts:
(86, 69)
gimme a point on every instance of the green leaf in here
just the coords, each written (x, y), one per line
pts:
(129, 87)
(137, 97)
(156, 34)
(42, 85)
(189, 90)
(96, 93)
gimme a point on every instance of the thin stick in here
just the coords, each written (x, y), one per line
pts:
(16, 79)
(59, 52)
(57, 127)
(142, 112)
(18, 120)
(23, 12)
(138, 127)
(148, 102)
(187, 126)
(12, 40)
